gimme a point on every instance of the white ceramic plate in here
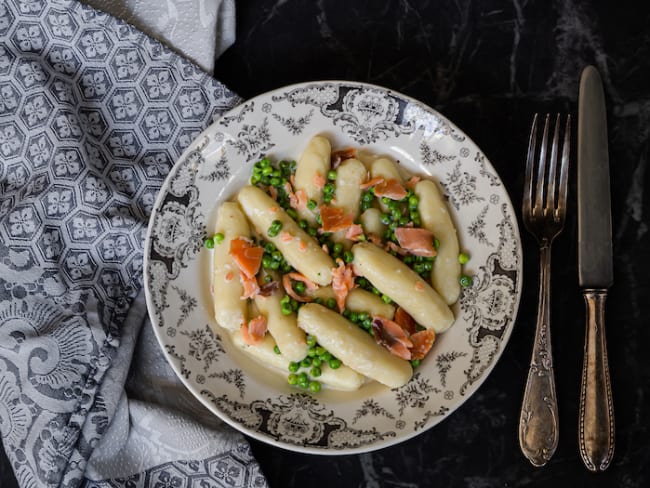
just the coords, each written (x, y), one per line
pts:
(279, 124)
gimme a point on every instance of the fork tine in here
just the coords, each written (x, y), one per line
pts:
(541, 169)
(550, 190)
(528, 177)
(564, 169)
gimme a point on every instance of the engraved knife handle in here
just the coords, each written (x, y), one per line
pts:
(538, 422)
(596, 424)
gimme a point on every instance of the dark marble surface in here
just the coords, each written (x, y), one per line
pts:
(488, 65)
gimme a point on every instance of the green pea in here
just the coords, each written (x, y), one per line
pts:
(363, 316)
(267, 171)
(316, 361)
(209, 243)
(354, 317)
(320, 351)
(303, 224)
(315, 372)
(386, 200)
(331, 175)
(436, 243)
(269, 247)
(218, 238)
(367, 197)
(337, 248)
(362, 282)
(274, 229)
(386, 299)
(466, 281)
(274, 264)
(276, 349)
(463, 258)
(331, 303)
(292, 379)
(314, 386)
(311, 341)
(292, 213)
(294, 366)
(327, 356)
(276, 255)
(415, 363)
(334, 363)
(255, 180)
(311, 204)
(348, 257)
(267, 278)
(413, 202)
(305, 363)
(275, 181)
(264, 162)
(300, 287)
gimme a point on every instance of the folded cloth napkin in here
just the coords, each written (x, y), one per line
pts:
(200, 30)
(92, 115)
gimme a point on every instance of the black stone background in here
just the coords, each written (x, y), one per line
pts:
(488, 65)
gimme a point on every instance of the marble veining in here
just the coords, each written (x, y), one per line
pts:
(488, 66)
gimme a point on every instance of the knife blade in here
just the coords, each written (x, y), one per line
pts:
(596, 432)
(595, 269)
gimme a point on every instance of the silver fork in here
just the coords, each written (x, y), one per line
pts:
(544, 212)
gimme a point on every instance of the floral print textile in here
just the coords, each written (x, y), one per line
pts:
(93, 113)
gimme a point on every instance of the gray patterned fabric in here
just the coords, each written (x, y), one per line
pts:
(197, 29)
(92, 115)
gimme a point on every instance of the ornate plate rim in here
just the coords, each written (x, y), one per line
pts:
(386, 441)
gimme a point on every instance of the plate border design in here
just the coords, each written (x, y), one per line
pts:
(365, 114)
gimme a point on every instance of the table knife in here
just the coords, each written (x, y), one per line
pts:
(595, 273)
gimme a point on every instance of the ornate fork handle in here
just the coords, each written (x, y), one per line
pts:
(538, 422)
